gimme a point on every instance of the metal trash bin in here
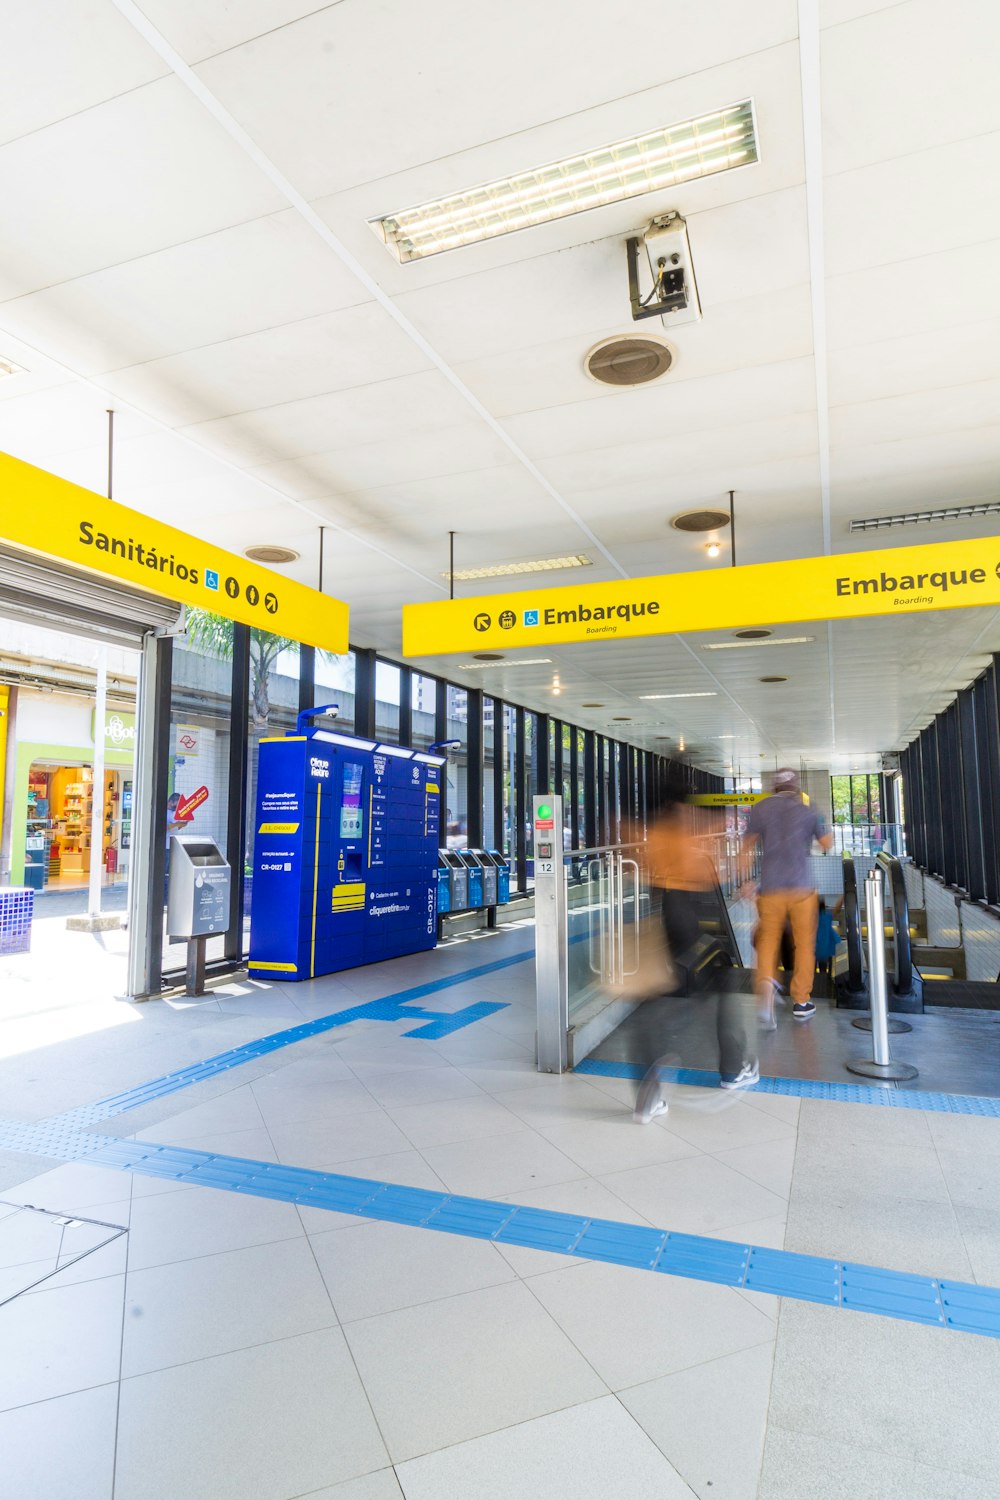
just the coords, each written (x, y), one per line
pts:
(198, 899)
(444, 886)
(488, 875)
(459, 879)
(503, 876)
(475, 887)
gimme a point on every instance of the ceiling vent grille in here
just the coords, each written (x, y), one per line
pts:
(629, 361)
(700, 520)
(923, 517)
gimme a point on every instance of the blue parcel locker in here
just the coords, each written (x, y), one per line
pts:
(345, 854)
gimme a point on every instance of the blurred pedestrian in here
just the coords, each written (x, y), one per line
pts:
(784, 826)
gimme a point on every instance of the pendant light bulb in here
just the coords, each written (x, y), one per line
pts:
(713, 549)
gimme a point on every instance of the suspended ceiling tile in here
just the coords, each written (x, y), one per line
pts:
(60, 419)
(254, 276)
(358, 346)
(837, 12)
(495, 72)
(739, 444)
(144, 171)
(922, 295)
(43, 77)
(919, 414)
(693, 406)
(375, 414)
(894, 367)
(451, 450)
(200, 28)
(919, 204)
(897, 81)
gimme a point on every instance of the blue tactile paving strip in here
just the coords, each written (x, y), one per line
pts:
(398, 1007)
(781, 1273)
(808, 1088)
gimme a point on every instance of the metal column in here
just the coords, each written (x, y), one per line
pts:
(149, 826)
(551, 949)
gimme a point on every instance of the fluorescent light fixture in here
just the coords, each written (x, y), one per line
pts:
(609, 174)
(8, 367)
(655, 697)
(527, 661)
(430, 760)
(774, 640)
(396, 750)
(508, 570)
(918, 517)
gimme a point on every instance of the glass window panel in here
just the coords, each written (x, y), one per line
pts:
(457, 798)
(509, 760)
(424, 692)
(387, 679)
(490, 759)
(335, 684)
(530, 789)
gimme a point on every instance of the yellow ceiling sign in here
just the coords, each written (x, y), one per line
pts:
(48, 515)
(900, 580)
(725, 799)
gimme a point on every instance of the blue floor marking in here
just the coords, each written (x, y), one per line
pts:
(808, 1088)
(780, 1273)
(399, 1007)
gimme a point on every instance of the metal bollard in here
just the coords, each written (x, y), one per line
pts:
(881, 1064)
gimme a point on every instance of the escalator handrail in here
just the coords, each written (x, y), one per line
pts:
(852, 926)
(903, 953)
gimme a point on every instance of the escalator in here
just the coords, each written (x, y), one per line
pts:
(921, 974)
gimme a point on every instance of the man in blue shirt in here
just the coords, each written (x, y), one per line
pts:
(785, 826)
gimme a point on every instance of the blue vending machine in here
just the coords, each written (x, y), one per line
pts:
(345, 854)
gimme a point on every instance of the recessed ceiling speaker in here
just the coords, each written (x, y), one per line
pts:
(269, 553)
(700, 520)
(488, 656)
(752, 635)
(629, 361)
(772, 679)
(593, 705)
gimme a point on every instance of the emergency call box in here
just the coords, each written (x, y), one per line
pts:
(345, 854)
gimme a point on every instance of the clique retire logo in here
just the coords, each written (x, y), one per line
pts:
(913, 588)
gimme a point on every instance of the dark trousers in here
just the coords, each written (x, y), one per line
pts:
(685, 942)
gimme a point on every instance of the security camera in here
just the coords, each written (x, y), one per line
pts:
(674, 294)
(333, 712)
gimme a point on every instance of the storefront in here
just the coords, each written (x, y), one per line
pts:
(54, 839)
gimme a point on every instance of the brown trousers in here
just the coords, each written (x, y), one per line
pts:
(801, 910)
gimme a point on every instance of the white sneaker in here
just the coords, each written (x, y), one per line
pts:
(650, 1102)
(766, 1002)
(748, 1075)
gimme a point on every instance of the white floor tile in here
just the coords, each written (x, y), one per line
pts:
(591, 1450)
(448, 1120)
(321, 1144)
(314, 1101)
(194, 1309)
(60, 1340)
(377, 1268)
(615, 1145)
(235, 1110)
(63, 1449)
(637, 1325)
(251, 1145)
(719, 1122)
(561, 1099)
(695, 1195)
(72, 1188)
(505, 1164)
(780, 1105)
(419, 1086)
(452, 1370)
(675, 1410)
(381, 1485)
(204, 1221)
(279, 1420)
(770, 1164)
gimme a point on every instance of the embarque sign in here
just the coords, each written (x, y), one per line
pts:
(45, 514)
(900, 580)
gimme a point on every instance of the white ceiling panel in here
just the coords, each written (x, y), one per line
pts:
(452, 450)
(922, 83)
(858, 495)
(958, 356)
(767, 329)
(836, 12)
(913, 205)
(146, 170)
(200, 28)
(417, 404)
(359, 346)
(747, 443)
(669, 411)
(495, 74)
(254, 276)
(41, 77)
(955, 409)
(922, 295)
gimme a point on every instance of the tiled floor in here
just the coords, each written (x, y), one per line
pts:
(236, 1346)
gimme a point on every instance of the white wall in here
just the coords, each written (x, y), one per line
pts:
(54, 718)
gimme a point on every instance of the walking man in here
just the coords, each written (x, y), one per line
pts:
(784, 826)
